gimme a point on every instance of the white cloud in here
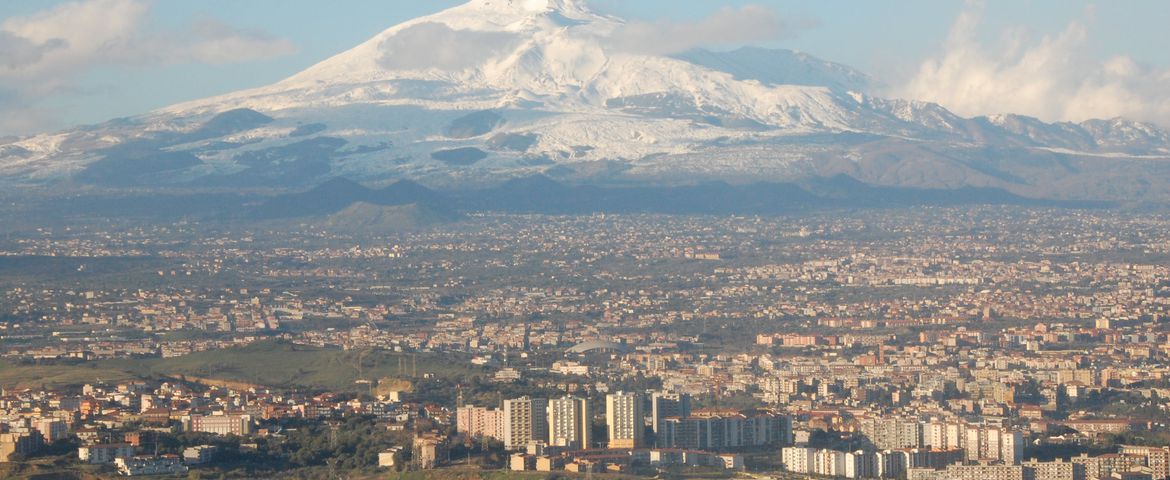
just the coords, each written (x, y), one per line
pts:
(1054, 78)
(19, 52)
(433, 45)
(727, 26)
(88, 33)
(44, 53)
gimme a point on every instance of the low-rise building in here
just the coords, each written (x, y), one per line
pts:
(389, 458)
(104, 453)
(144, 465)
(238, 425)
(200, 454)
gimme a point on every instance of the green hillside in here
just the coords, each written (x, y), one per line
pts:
(18, 376)
(283, 364)
(271, 363)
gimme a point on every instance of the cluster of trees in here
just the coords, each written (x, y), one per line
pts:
(350, 445)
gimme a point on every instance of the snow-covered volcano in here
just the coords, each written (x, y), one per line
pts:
(495, 89)
(548, 56)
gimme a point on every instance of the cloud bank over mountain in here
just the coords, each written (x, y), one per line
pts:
(45, 53)
(726, 26)
(448, 49)
(1054, 77)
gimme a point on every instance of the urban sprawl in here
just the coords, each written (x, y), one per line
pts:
(974, 343)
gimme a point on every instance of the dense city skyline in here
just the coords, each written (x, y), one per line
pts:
(586, 239)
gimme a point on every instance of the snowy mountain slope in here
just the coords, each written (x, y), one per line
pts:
(550, 57)
(497, 89)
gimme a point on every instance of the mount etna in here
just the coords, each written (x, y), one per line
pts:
(531, 106)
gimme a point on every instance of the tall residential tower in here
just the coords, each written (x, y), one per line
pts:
(525, 420)
(625, 420)
(569, 423)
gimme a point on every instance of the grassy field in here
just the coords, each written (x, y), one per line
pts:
(454, 473)
(34, 376)
(270, 363)
(470, 474)
(283, 364)
(57, 468)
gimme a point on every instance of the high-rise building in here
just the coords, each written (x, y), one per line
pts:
(861, 464)
(525, 420)
(984, 472)
(909, 434)
(624, 419)
(1104, 466)
(984, 443)
(1011, 446)
(52, 429)
(799, 459)
(972, 444)
(991, 444)
(664, 405)
(934, 434)
(569, 423)
(829, 462)
(478, 422)
(891, 463)
(1054, 470)
(954, 437)
(979, 442)
(728, 429)
(1157, 459)
(892, 432)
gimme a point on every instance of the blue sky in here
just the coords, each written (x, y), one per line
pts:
(192, 49)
